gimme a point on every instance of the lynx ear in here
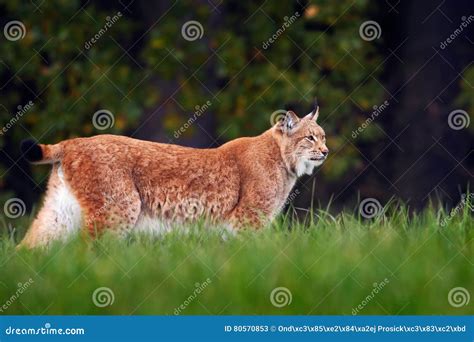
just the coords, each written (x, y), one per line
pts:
(315, 113)
(289, 122)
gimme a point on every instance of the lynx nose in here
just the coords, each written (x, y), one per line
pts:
(325, 152)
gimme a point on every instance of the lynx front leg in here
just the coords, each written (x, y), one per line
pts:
(244, 216)
(255, 207)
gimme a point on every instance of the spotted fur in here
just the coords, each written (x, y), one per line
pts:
(121, 184)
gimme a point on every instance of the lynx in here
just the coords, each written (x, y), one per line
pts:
(120, 184)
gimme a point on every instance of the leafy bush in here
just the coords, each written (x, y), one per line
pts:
(246, 77)
(72, 63)
(65, 81)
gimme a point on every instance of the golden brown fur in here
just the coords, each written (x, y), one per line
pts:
(115, 183)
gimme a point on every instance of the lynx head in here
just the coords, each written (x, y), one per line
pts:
(302, 142)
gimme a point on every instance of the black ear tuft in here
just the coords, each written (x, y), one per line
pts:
(315, 113)
(315, 103)
(31, 150)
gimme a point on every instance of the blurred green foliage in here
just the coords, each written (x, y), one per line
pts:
(318, 54)
(66, 82)
(465, 97)
(333, 261)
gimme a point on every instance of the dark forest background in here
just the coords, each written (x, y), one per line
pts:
(152, 76)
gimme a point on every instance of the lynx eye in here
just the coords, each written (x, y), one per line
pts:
(311, 138)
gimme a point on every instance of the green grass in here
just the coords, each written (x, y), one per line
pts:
(329, 266)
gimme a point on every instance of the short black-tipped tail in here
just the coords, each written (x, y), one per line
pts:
(31, 150)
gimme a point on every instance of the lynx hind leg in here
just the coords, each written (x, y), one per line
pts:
(111, 207)
(60, 215)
